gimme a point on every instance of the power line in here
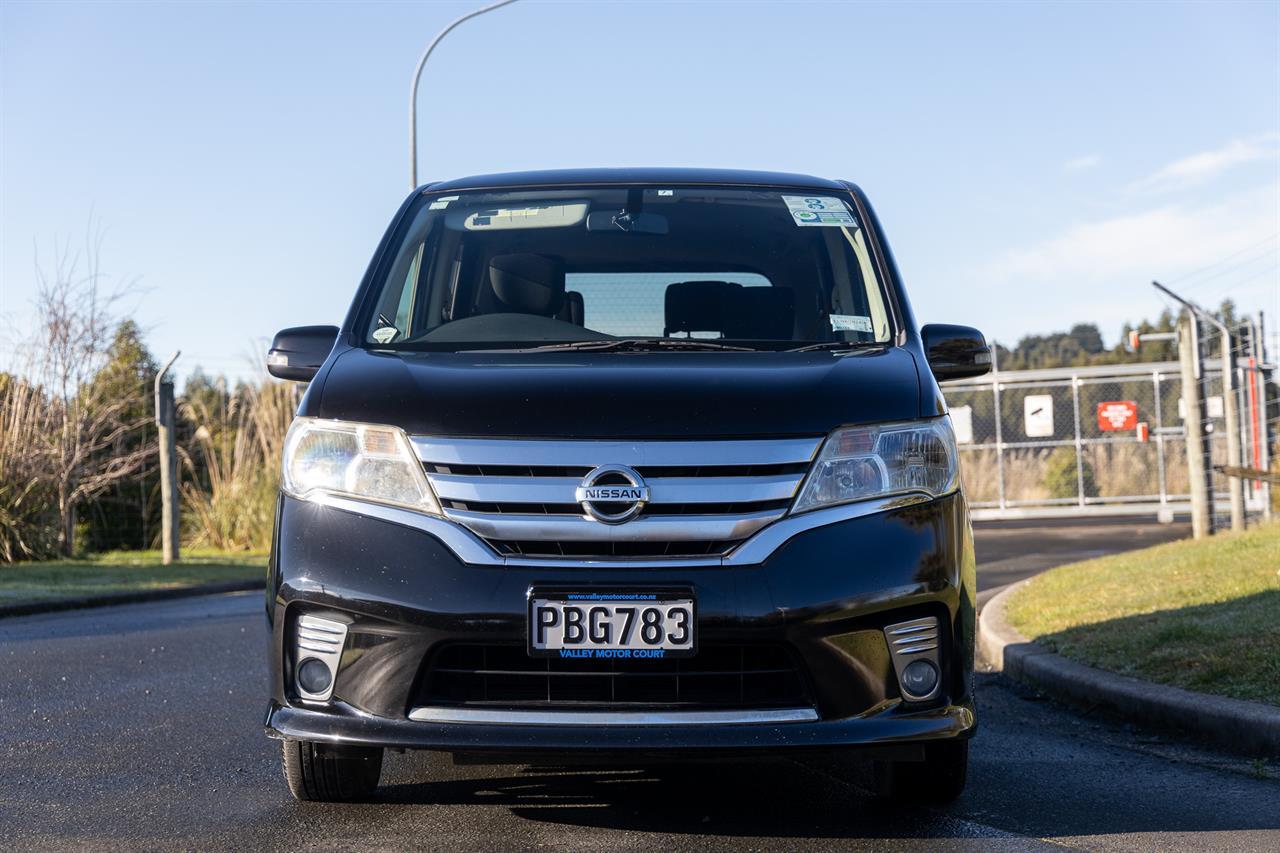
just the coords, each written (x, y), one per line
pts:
(1230, 288)
(1223, 260)
(1236, 268)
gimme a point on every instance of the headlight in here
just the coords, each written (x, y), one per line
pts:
(857, 463)
(363, 461)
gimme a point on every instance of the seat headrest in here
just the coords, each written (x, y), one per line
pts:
(698, 306)
(574, 308)
(527, 283)
(762, 313)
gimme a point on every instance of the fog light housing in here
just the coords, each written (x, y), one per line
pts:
(916, 652)
(318, 645)
(314, 676)
(919, 678)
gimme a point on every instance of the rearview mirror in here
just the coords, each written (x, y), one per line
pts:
(955, 352)
(622, 220)
(296, 354)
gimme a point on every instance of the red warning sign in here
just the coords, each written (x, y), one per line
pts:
(1117, 415)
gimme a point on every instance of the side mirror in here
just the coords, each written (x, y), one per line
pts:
(955, 352)
(297, 353)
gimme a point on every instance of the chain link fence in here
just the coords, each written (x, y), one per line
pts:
(1105, 440)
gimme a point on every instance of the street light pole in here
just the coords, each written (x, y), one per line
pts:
(417, 75)
(1235, 486)
(170, 518)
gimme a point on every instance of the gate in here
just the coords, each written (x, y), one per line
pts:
(1042, 443)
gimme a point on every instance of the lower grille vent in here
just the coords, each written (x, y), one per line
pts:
(718, 677)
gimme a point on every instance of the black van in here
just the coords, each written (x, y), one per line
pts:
(624, 464)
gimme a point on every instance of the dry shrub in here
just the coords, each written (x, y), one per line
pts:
(1111, 470)
(1025, 473)
(1123, 470)
(28, 515)
(233, 466)
(980, 472)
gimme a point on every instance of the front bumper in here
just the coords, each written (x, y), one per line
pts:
(888, 728)
(825, 595)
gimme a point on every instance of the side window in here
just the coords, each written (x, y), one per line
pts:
(395, 307)
(858, 289)
(408, 295)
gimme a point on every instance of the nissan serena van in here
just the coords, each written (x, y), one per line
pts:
(626, 465)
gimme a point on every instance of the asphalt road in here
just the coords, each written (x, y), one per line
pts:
(138, 727)
(1010, 551)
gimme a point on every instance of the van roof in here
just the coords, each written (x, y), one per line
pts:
(657, 176)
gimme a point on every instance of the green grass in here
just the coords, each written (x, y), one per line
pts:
(1200, 615)
(124, 571)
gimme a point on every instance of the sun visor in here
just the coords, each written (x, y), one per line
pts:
(551, 215)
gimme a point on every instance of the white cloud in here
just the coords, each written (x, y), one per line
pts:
(1207, 165)
(1159, 241)
(1077, 164)
(1101, 271)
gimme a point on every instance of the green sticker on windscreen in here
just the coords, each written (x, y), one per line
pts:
(819, 210)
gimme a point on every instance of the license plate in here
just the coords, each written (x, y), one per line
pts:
(627, 626)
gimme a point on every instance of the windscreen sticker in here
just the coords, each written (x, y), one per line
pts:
(819, 210)
(440, 204)
(850, 323)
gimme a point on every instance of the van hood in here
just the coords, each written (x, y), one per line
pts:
(616, 395)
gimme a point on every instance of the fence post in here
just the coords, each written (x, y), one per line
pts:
(1266, 422)
(168, 463)
(1258, 414)
(995, 396)
(1075, 408)
(1231, 411)
(1194, 416)
(1158, 433)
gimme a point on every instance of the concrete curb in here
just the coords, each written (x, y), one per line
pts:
(54, 605)
(1252, 728)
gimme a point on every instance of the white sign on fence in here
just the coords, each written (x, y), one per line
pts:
(962, 423)
(1037, 413)
(1213, 407)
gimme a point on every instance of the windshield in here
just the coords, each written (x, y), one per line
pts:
(727, 268)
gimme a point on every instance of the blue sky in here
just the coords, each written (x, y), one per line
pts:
(1035, 164)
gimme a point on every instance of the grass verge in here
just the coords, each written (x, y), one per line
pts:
(124, 571)
(1199, 615)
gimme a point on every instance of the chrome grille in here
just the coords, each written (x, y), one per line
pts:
(705, 496)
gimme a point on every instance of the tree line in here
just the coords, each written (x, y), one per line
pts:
(1082, 344)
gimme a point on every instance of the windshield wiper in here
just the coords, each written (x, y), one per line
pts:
(643, 345)
(837, 345)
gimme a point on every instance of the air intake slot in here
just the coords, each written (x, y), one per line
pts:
(719, 677)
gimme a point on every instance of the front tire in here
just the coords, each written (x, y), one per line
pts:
(329, 774)
(940, 778)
